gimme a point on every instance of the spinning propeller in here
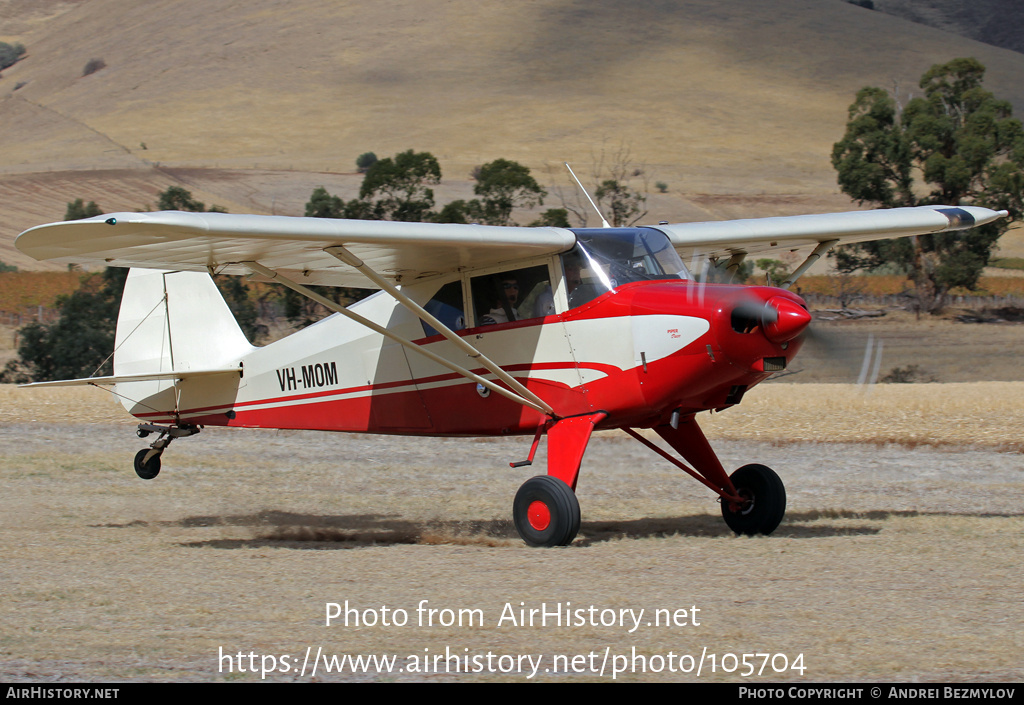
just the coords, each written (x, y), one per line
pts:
(781, 319)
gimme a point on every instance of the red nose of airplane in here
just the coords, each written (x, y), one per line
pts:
(791, 321)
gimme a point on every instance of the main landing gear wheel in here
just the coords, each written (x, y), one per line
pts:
(147, 471)
(546, 512)
(765, 501)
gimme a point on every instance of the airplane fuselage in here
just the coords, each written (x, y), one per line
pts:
(638, 353)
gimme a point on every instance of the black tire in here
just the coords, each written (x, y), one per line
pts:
(147, 471)
(546, 512)
(766, 503)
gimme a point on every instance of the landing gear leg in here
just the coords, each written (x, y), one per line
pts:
(753, 498)
(147, 460)
(546, 511)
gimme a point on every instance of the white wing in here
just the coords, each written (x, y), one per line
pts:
(218, 242)
(758, 235)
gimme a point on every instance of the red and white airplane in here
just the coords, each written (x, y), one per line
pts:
(476, 331)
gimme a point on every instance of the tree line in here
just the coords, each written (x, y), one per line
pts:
(399, 188)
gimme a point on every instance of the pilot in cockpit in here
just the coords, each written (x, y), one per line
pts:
(503, 308)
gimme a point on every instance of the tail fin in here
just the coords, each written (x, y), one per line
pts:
(175, 321)
(172, 322)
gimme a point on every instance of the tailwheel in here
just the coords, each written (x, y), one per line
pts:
(147, 470)
(764, 505)
(147, 460)
(546, 512)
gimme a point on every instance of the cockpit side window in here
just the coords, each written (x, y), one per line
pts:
(447, 306)
(515, 295)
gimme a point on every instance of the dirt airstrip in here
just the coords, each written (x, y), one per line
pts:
(896, 562)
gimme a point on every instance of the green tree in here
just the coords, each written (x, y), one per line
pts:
(176, 198)
(301, 310)
(238, 297)
(776, 270)
(78, 209)
(398, 188)
(623, 205)
(322, 204)
(502, 186)
(364, 161)
(10, 54)
(92, 66)
(552, 218)
(967, 149)
(619, 185)
(459, 211)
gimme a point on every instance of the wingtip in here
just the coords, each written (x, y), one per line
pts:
(965, 217)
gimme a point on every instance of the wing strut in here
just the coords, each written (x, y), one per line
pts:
(350, 259)
(733, 265)
(528, 399)
(821, 249)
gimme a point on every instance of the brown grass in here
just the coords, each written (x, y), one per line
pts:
(940, 347)
(983, 414)
(59, 405)
(889, 284)
(892, 565)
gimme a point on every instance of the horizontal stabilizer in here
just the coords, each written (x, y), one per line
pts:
(145, 377)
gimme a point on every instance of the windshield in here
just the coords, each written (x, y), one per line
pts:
(606, 258)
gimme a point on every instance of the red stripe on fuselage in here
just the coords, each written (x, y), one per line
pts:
(418, 381)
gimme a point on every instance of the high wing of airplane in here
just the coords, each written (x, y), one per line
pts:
(476, 331)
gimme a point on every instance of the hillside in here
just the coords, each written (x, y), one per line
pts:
(995, 22)
(735, 106)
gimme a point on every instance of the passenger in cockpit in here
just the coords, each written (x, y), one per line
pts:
(503, 309)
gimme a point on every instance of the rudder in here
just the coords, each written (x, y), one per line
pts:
(175, 321)
(172, 321)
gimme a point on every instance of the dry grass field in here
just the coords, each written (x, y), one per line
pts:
(899, 559)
